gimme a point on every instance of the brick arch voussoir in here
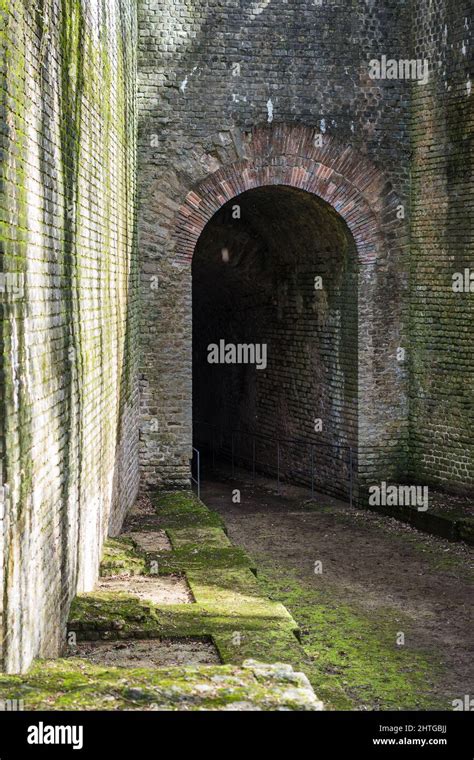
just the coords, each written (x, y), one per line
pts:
(284, 155)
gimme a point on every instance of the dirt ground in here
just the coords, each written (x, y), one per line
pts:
(398, 579)
(148, 653)
(166, 589)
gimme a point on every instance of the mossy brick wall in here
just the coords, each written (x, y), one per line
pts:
(442, 321)
(209, 73)
(69, 390)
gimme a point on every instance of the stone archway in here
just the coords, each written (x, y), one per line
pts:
(275, 272)
(297, 157)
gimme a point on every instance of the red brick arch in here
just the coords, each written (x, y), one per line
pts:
(288, 155)
(176, 208)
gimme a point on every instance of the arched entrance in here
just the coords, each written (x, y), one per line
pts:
(275, 282)
(298, 190)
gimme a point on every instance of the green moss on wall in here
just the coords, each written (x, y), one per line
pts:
(66, 345)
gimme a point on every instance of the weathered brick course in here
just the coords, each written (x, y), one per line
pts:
(442, 321)
(69, 390)
(221, 88)
(231, 97)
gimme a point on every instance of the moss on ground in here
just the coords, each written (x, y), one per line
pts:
(350, 657)
(353, 661)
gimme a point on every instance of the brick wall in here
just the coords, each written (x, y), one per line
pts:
(208, 76)
(231, 98)
(441, 321)
(69, 391)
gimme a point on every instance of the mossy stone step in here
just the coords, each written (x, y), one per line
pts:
(76, 684)
(236, 593)
(265, 645)
(186, 559)
(119, 556)
(122, 556)
(183, 510)
(120, 615)
(229, 606)
(177, 502)
(197, 536)
(182, 520)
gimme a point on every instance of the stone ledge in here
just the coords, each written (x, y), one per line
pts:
(76, 684)
(452, 527)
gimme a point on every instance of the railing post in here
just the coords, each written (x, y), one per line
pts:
(278, 466)
(234, 454)
(232, 451)
(213, 453)
(199, 473)
(196, 479)
(350, 475)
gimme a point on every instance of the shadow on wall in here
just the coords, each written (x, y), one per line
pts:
(210, 69)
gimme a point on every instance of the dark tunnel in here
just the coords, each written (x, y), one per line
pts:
(275, 337)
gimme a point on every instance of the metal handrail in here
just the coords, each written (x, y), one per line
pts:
(198, 471)
(278, 441)
(303, 441)
(283, 440)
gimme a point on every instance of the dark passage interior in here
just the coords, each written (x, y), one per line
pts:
(275, 335)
